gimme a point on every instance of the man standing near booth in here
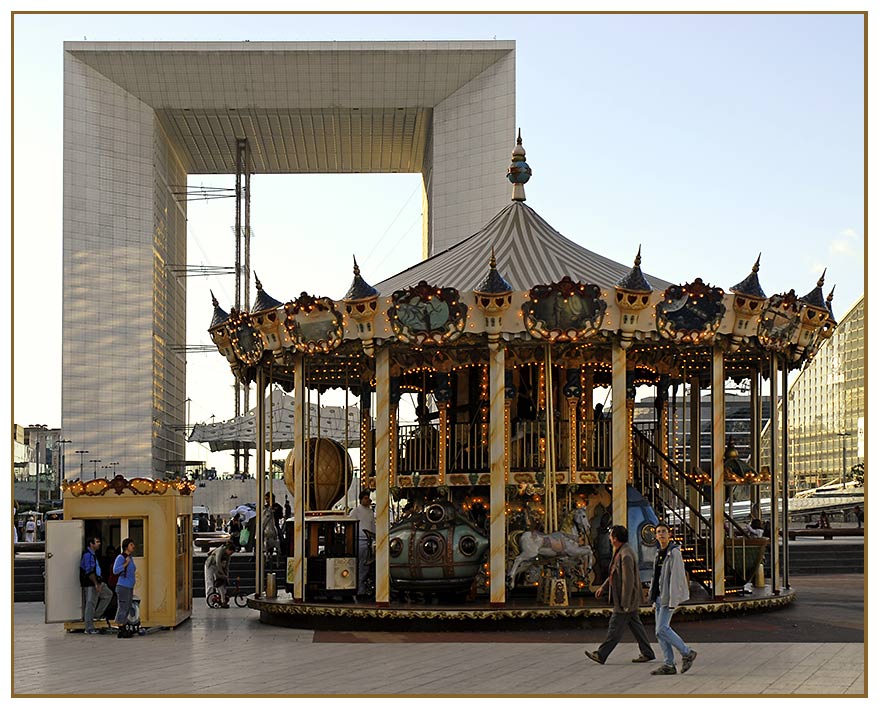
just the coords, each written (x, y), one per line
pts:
(363, 513)
(98, 594)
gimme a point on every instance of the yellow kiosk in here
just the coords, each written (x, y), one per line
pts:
(156, 514)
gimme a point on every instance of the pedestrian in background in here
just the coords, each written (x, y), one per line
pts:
(669, 589)
(625, 590)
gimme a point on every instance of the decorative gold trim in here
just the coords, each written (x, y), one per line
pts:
(485, 613)
(138, 486)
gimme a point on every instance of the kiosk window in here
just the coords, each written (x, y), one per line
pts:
(136, 533)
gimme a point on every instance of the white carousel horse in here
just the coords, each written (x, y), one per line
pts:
(535, 545)
(577, 524)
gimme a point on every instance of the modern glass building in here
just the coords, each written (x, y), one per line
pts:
(827, 407)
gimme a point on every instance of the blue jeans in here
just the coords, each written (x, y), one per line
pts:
(667, 638)
(96, 604)
(124, 596)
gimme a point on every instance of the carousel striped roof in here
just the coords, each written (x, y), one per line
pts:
(528, 251)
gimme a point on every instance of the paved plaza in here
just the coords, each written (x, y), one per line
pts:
(274, 661)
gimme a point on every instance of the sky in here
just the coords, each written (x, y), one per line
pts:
(705, 139)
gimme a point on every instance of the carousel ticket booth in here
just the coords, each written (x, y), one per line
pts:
(155, 514)
(524, 355)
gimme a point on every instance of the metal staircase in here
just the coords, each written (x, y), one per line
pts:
(678, 500)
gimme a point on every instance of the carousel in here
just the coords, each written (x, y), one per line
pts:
(524, 354)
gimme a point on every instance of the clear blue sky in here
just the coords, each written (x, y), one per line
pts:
(704, 138)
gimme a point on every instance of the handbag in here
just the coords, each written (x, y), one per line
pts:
(244, 537)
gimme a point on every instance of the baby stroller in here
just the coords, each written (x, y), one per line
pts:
(132, 625)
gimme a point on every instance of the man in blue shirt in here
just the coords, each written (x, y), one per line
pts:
(98, 594)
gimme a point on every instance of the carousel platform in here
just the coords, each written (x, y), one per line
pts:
(519, 613)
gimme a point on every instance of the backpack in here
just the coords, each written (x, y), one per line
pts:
(84, 579)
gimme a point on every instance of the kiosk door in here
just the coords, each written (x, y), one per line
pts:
(64, 548)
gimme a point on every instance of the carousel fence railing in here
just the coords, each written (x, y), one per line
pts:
(418, 448)
(594, 445)
(470, 447)
(528, 444)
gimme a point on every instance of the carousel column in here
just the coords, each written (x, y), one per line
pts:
(497, 538)
(785, 479)
(261, 480)
(367, 442)
(693, 492)
(383, 472)
(621, 449)
(663, 423)
(774, 487)
(299, 398)
(755, 394)
(717, 506)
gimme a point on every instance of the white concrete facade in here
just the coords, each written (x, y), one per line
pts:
(140, 117)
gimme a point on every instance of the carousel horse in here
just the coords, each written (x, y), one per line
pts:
(537, 547)
(577, 524)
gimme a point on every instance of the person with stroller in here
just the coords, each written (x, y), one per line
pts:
(217, 571)
(125, 570)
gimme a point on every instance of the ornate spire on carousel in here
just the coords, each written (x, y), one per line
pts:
(814, 318)
(633, 292)
(264, 301)
(750, 286)
(360, 305)
(519, 171)
(748, 303)
(815, 297)
(359, 288)
(493, 296)
(828, 304)
(220, 316)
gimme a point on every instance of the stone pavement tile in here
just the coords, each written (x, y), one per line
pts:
(280, 661)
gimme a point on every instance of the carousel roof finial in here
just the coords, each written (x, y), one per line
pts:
(359, 288)
(828, 300)
(815, 297)
(750, 286)
(635, 280)
(264, 301)
(519, 171)
(220, 316)
(493, 283)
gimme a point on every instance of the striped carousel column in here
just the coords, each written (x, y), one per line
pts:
(774, 471)
(621, 449)
(260, 542)
(383, 472)
(295, 567)
(718, 472)
(497, 537)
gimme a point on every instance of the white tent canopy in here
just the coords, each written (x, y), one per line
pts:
(242, 431)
